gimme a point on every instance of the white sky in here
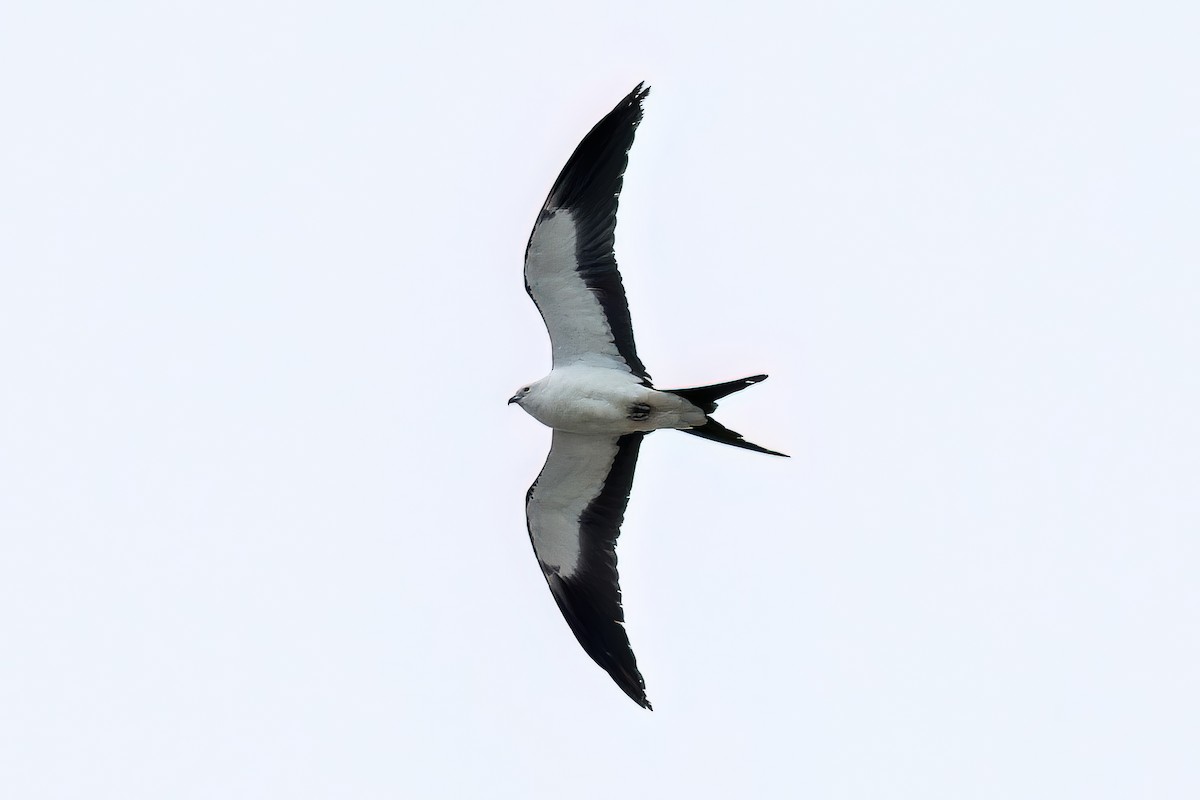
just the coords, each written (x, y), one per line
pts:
(261, 499)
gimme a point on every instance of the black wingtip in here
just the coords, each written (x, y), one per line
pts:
(593, 174)
(601, 633)
(636, 691)
(635, 688)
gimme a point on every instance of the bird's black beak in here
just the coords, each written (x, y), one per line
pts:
(513, 399)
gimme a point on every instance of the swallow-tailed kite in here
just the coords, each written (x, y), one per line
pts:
(597, 398)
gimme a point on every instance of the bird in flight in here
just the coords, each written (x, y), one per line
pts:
(598, 397)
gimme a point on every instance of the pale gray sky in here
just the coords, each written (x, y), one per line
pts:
(261, 499)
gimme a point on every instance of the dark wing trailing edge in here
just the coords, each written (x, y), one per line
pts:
(574, 511)
(587, 189)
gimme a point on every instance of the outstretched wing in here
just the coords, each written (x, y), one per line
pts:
(570, 269)
(574, 511)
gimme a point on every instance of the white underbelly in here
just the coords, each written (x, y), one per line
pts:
(587, 415)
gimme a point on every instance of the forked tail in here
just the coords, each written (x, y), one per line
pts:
(705, 398)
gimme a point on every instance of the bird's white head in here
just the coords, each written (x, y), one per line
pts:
(528, 395)
(521, 394)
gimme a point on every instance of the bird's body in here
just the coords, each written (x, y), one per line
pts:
(605, 401)
(598, 397)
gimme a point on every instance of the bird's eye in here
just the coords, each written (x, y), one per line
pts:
(525, 390)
